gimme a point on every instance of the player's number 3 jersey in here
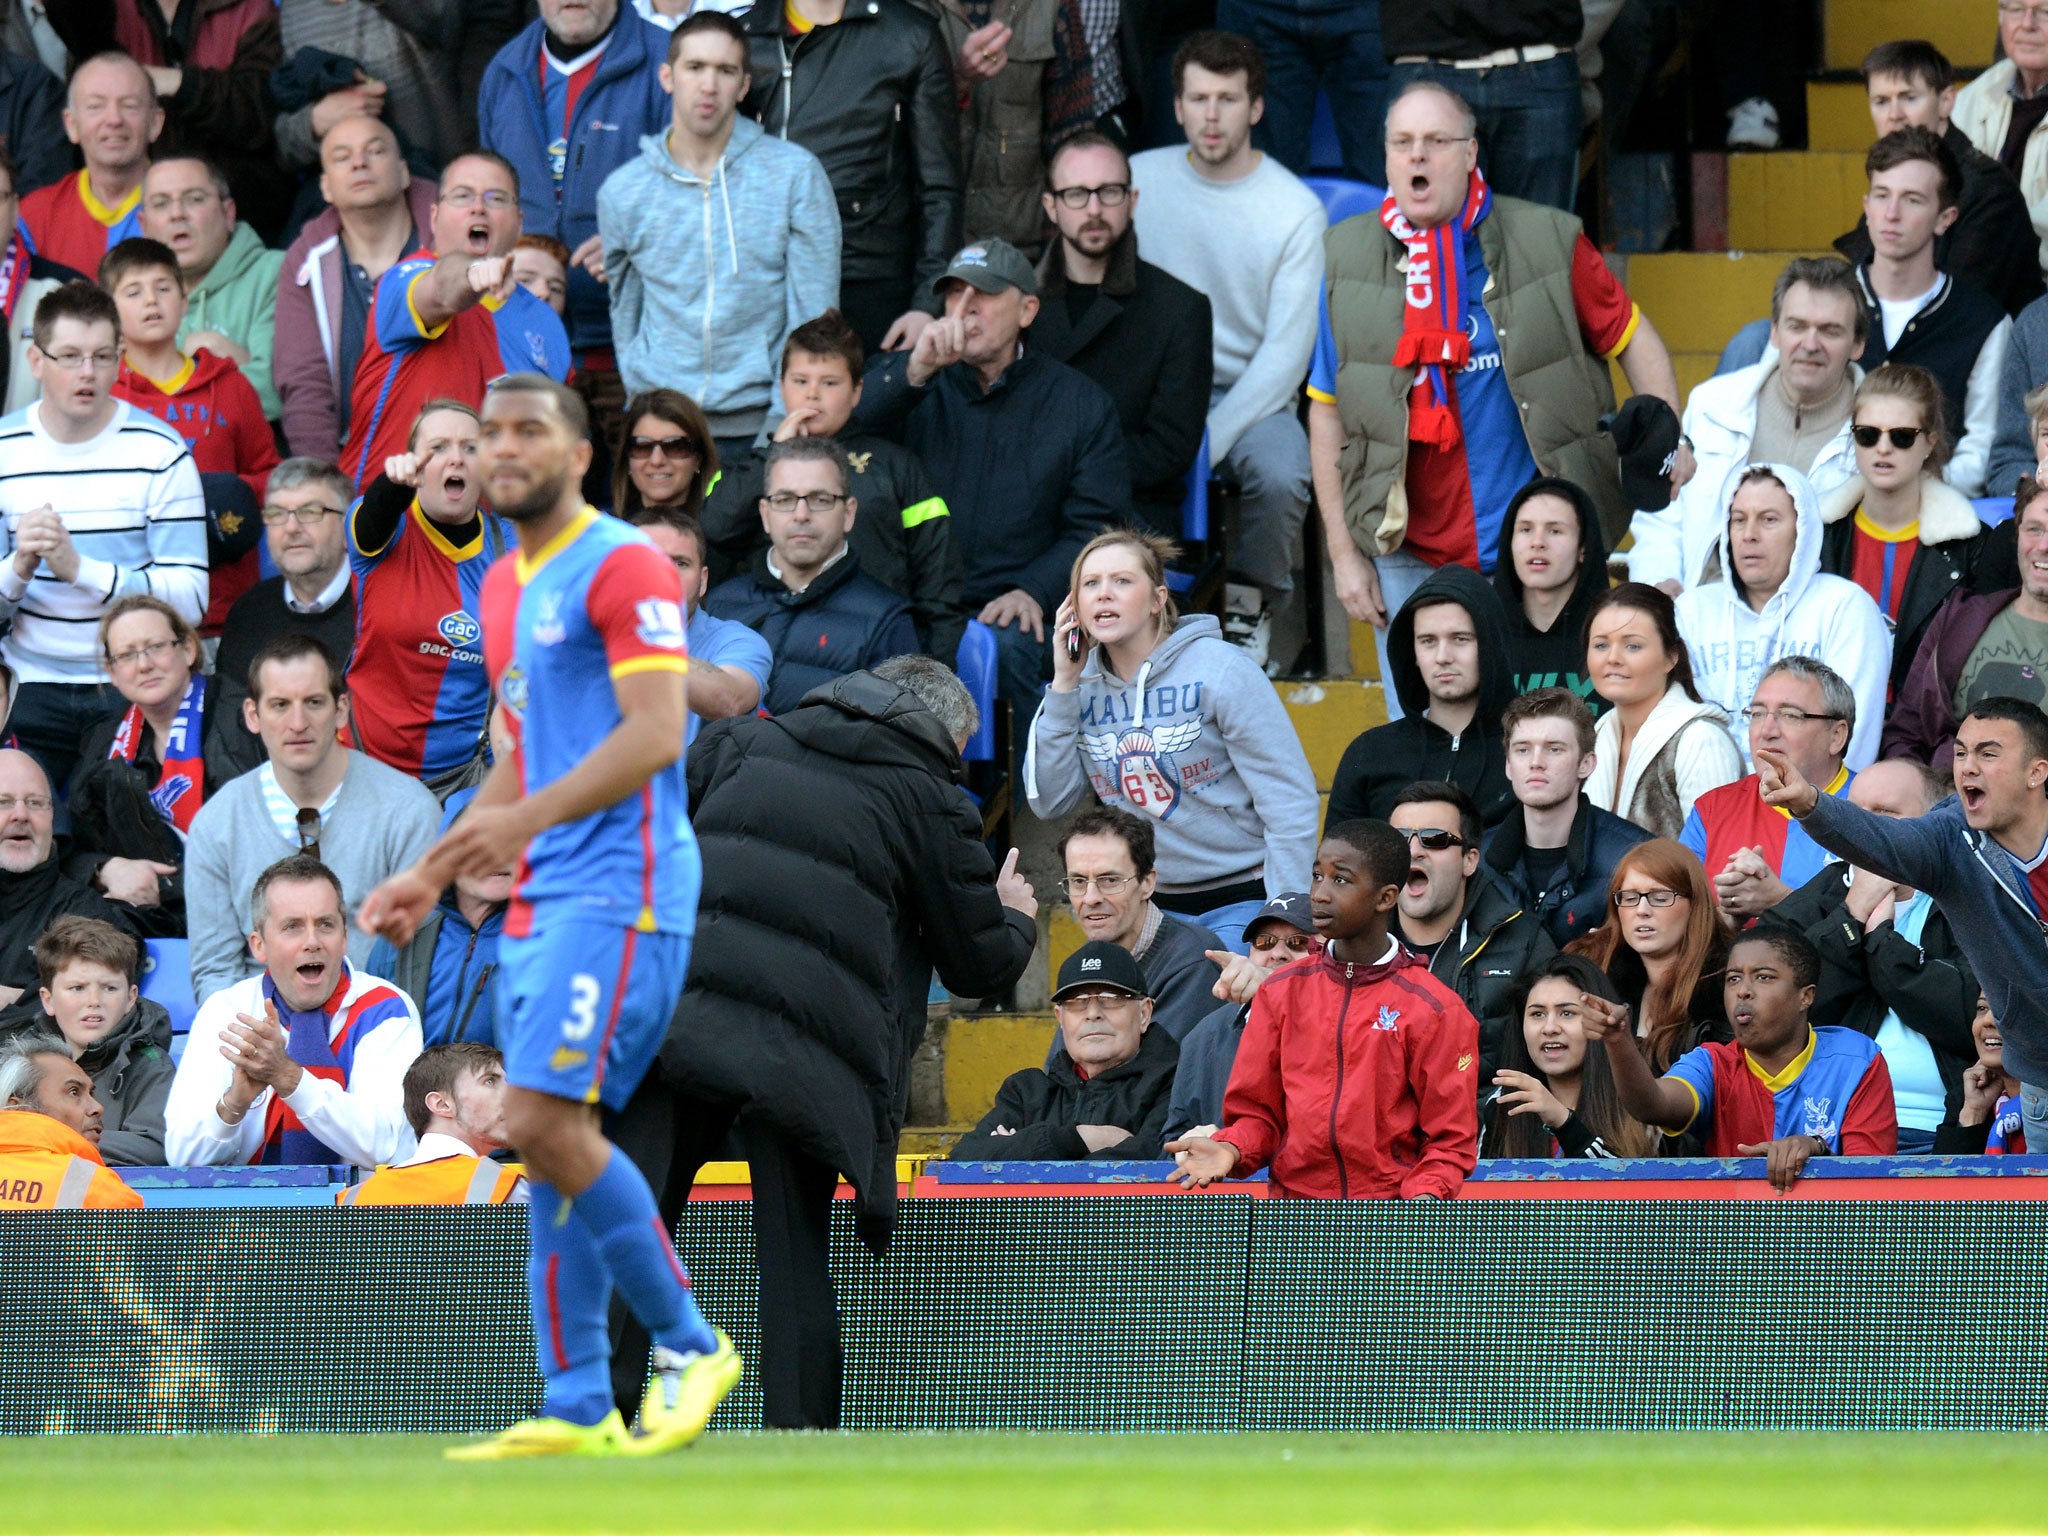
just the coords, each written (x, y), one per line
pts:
(600, 602)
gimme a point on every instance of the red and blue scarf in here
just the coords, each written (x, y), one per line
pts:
(181, 786)
(1433, 340)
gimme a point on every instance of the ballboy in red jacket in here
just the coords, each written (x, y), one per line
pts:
(1355, 1079)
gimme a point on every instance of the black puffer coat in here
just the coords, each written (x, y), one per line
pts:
(842, 863)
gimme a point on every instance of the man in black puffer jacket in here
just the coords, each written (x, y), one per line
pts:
(871, 94)
(842, 864)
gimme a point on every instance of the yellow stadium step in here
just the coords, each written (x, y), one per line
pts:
(1838, 116)
(1328, 716)
(1965, 30)
(1793, 200)
(1698, 299)
(981, 1050)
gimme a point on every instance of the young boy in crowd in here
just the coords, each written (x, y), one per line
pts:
(207, 398)
(1401, 1119)
(1989, 1118)
(540, 265)
(904, 535)
(1782, 1090)
(88, 970)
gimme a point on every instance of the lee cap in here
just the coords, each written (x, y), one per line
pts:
(1100, 963)
(1645, 433)
(991, 266)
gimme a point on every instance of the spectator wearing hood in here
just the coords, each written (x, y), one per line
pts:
(1551, 567)
(1451, 669)
(447, 968)
(1556, 850)
(1160, 715)
(674, 222)
(1776, 601)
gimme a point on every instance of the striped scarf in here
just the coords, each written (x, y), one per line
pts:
(1433, 338)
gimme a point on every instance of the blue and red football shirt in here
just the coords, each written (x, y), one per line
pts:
(1880, 560)
(599, 602)
(417, 681)
(406, 363)
(1735, 816)
(1838, 1089)
(68, 225)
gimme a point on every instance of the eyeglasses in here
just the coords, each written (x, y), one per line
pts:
(468, 197)
(1435, 839)
(35, 805)
(1300, 943)
(1107, 885)
(2027, 15)
(817, 501)
(1902, 437)
(309, 516)
(1081, 1000)
(156, 650)
(191, 201)
(1659, 898)
(677, 447)
(1788, 717)
(1111, 194)
(1430, 144)
(309, 831)
(104, 361)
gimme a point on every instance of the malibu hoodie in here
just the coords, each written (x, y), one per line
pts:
(1813, 614)
(709, 275)
(1199, 742)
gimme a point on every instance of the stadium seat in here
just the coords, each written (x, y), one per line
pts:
(987, 753)
(1325, 149)
(1993, 510)
(167, 979)
(1204, 540)
(1343, 198)
(265, 566)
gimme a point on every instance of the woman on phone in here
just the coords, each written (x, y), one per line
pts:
(1661, 746)
(1552, 1097)
(1159, 714)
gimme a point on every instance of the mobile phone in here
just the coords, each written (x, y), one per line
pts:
(1074, 643)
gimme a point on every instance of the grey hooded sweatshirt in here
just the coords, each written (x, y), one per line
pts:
(1198, 741)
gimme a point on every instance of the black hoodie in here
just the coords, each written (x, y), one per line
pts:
(1553, 657)
(1386, 759)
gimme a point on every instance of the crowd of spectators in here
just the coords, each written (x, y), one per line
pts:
(893, 317)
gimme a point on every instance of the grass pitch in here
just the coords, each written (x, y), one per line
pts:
(785, 1484)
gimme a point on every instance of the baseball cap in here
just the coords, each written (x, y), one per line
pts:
(1291, 909)
(1645, 433)
(1100, 963)
(991, 266)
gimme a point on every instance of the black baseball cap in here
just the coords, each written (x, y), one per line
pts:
(1645, 433)
(1100, 963)
(1291, 909)
(991, 266)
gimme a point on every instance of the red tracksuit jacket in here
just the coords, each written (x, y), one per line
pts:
(1356, 1082)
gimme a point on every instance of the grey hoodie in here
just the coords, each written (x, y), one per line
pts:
(1200, 742)
(709, 276)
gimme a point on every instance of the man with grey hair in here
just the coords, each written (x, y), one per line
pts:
(35, 890)
(50, 1131)
(112, 114)
(842, 865)
(807, 596)
(1757, 857)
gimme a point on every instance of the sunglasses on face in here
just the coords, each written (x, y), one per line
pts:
(1902, 437)
(1435, 839)
(1300, 943)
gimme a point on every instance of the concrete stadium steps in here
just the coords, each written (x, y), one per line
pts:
(1793, 201)
(1837, 116)
(1965, 30)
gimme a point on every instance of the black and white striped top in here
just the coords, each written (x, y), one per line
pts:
(130, 499)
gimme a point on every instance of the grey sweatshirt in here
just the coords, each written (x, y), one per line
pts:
(709, 276)
(382, 822)
(1200, 742)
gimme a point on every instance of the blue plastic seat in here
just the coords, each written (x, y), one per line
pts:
(1325, 149)
(976, 664)
(1343, 198)
(1194, 514)
(167, 979)
(1993, 510)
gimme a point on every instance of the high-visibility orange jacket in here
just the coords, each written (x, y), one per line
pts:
(444, 1181)
(47, 1166)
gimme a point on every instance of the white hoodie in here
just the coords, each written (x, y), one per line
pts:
(1706, 759)
(1812, 614)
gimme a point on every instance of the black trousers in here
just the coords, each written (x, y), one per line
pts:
(671, 1135)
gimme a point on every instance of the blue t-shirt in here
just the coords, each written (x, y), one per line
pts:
(726, 643)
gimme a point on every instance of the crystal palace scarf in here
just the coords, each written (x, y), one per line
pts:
(1433, 340)
(182, 783)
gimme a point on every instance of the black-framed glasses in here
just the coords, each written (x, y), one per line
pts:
(1435, 839)
(309, 831)
(1788, 716)
(677, 447)
(1111, 194)
(817, 501)
(1902, 437)
(1658, 898)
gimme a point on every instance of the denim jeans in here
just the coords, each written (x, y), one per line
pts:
(1400, 574)
(1023, 667)
(1310, 45)
(1529, 120)
(49, 718)
(2034, 1112)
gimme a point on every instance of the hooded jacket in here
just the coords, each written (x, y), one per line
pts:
(708, 276)
(1356, 1082)
(238, 298)
(1812, 614)
(131, 1071)
(216, 410)
(1553, 657)
(842, 622)
(447, 968)
(623, 101)
(1577, 903)
(842, 864)
(1041, 1109)
(1923, 721)
(1386, 759)
(1720, 418)
(47, 1166)
(1198, 741)
(1684, 749)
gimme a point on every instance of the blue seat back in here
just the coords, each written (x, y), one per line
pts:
(1194, 512)
(1993, 510)
(1325, 149)
(167, 979)
(265, 566)
(976, 665)
(1343, 198)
